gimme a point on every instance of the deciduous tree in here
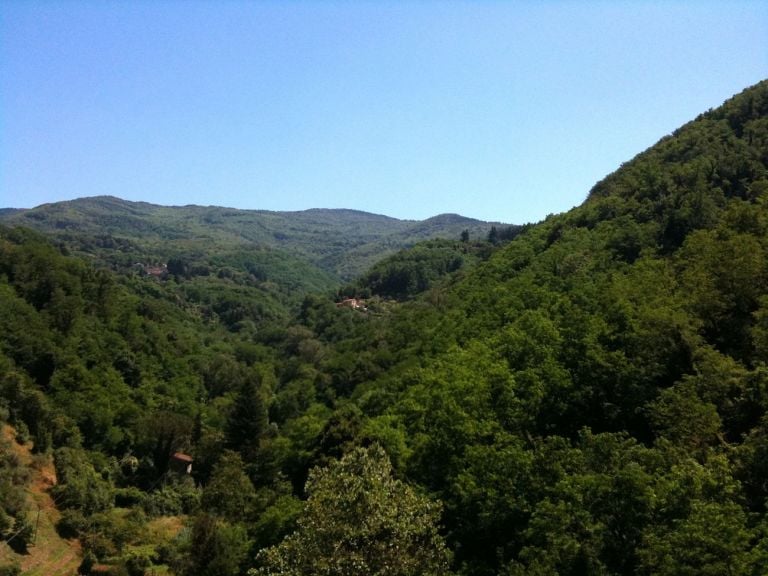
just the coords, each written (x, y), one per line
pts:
(358, 519)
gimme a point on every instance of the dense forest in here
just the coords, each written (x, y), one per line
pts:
(586, 395)
(298, 251)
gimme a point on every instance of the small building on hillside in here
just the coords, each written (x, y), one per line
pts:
(181, 463)
(157, 271)
(354, 303)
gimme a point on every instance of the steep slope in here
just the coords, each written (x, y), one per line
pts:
(591, 399)
(48, 554)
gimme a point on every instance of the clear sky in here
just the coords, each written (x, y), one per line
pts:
(501, 111)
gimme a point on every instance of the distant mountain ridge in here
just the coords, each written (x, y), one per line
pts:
(341, 242)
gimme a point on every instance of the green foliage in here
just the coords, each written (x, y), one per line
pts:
(79, 485)
(10, 570)
(216, 548)
(712, 539)
(299, 251)
(229, 492)
(248, 420)
(277, 521)
(360, 520)
(414, 270)
(14, 525)
(587, 398)
(172, 498)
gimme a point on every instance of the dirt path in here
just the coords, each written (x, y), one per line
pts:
(49, 554)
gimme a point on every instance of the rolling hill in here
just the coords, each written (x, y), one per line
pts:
(341, 243)
(588, 398)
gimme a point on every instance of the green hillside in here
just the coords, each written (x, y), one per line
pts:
(590, 397)
(341, 243)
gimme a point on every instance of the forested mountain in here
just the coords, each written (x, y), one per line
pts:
(587, 398)
(341, 243)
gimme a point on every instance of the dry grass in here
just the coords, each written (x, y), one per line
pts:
(165, 529)
(49, 554)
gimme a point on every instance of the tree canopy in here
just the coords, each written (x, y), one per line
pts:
(358, 519)
(588, 397)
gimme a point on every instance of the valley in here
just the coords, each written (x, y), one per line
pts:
(582, 395)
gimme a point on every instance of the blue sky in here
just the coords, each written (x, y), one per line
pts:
(502, 111)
